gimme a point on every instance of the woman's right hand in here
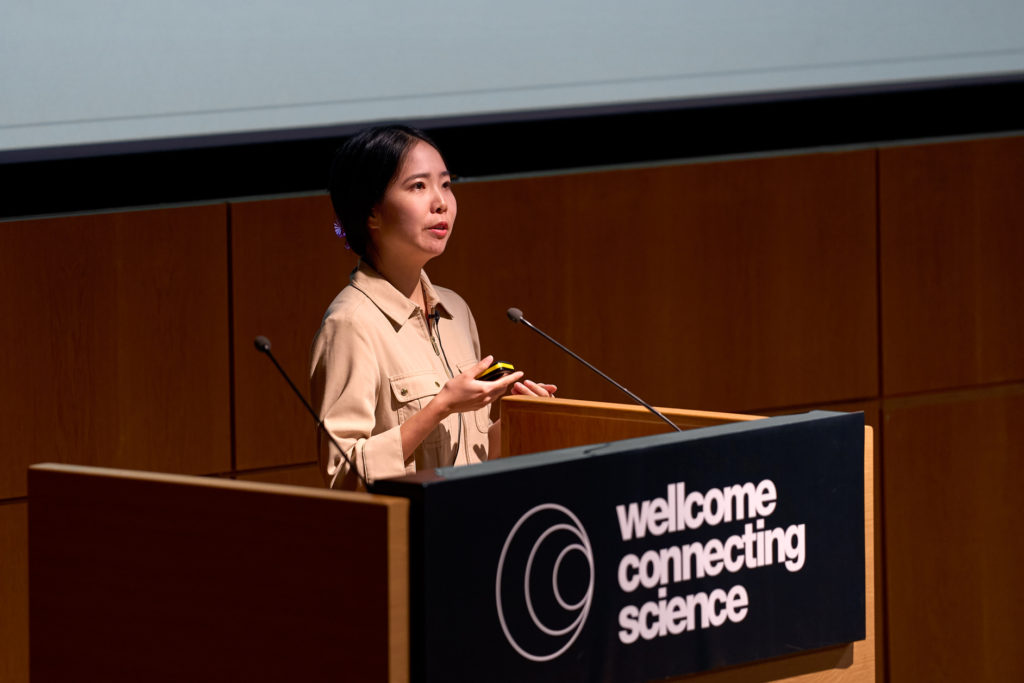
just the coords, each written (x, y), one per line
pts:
(465, 393)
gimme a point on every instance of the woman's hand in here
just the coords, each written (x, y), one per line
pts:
(531, 388)
(465, 393)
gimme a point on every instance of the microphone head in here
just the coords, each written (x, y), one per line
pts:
(515, 315)
(262, 344)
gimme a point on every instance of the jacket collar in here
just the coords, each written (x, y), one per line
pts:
(392, 303)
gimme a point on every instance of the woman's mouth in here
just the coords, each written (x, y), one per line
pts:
(440, 230)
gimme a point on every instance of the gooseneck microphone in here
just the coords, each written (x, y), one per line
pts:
(263, 346)
(516, 316)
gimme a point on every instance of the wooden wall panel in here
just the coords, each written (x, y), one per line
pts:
(721, 286)
(952, 245)
(300, 475)
(287, 267)
(14, 592)
(119, 352)
(953, 482)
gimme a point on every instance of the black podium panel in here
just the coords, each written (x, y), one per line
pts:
(640, 559)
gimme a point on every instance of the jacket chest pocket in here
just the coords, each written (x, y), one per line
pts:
(411, 391)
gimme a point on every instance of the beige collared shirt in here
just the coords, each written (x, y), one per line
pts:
(376, 361)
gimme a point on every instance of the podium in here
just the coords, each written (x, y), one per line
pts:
(144, 576)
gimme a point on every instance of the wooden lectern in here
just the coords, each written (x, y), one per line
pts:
(145, 576)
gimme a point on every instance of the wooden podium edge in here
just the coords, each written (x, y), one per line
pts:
(61, 492)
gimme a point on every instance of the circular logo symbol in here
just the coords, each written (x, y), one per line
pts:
(545, 582)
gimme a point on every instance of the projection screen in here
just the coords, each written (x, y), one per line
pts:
(80, 75)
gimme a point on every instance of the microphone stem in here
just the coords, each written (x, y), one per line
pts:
(629, 393)
(298, 393)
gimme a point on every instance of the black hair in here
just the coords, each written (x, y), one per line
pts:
(362, 170)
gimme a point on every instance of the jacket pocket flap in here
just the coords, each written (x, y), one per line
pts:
(416, 385)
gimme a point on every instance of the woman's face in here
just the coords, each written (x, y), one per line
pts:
(411, 224)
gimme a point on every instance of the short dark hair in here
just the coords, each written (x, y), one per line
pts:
(362, 170)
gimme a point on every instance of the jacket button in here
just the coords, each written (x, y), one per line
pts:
(436, 383)
(404, 391)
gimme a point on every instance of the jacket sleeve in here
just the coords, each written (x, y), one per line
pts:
(345, 388)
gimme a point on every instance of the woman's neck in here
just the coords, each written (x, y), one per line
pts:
(405, 279)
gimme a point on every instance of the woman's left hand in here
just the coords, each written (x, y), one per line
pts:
(531, 388)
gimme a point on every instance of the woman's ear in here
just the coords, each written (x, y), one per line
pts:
(373, 220)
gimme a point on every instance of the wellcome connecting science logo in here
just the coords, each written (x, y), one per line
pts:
(663, 558)
(544, 586)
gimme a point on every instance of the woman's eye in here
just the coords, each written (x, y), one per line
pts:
(419, 185)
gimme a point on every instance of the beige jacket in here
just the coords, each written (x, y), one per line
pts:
(375, 362)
